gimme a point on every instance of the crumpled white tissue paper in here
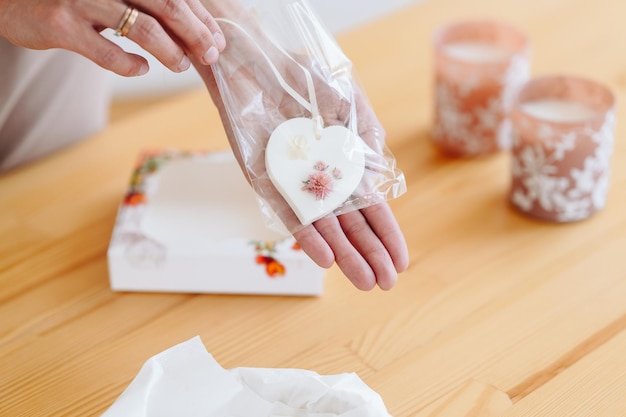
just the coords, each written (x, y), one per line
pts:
(185, 381)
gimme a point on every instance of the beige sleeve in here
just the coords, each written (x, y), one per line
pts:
(48, 100)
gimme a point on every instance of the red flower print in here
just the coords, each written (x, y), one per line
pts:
(274, 268)
(265, 256)
(134, 199)
(260, 259)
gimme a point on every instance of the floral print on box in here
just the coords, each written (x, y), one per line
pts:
(265, 255)
(149, 163)
(144, 252)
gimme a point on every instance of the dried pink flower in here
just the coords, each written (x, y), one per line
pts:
(320, 166)
(337, 173)
(320, 184)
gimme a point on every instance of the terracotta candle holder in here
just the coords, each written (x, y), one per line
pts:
(563, 141)
(479, 68)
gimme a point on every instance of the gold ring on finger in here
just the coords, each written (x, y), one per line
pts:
(127, 21)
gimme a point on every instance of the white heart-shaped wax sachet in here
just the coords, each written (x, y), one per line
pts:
(314, 173)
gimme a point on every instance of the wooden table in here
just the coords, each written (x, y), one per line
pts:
(498, 315)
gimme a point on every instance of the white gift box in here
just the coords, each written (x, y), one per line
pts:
(190, 223)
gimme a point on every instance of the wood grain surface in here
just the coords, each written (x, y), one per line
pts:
(498, 315)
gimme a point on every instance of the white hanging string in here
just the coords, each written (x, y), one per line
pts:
(310, 106)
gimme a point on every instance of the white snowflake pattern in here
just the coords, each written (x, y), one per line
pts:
(515, 76)
(489, 117)
(505, 134)
(570, 197)
(474, 132)
(452, 122)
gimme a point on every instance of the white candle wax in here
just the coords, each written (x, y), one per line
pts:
(558, 110)
(476, 52)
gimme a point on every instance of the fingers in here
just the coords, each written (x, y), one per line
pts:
(367, 245)
(384, 225)
(205, 17)
(348, 258)
(110, 56)
(148, 33)
(72, 29)
(170, 30)
(314, 245)
(370, 247)
(188, 21)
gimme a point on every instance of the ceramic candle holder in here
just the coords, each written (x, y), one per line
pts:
(563, 141)
(479, 68)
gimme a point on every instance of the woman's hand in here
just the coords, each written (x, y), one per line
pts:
(171, 30)
(366, 244)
